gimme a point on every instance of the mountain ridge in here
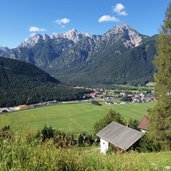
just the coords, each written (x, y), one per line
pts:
(65, 55)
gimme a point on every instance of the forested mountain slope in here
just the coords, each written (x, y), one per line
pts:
(23, 83)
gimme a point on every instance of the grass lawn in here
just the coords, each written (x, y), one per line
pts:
(73, 118)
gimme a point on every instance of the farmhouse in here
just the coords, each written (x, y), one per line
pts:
(118, 135)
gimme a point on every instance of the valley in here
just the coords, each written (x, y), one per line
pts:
(121, 55)
(85, 85)
(22, 83)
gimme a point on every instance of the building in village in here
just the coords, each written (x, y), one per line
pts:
(143, 125)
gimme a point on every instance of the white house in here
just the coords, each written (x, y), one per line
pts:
(104, 146)
(118, 135)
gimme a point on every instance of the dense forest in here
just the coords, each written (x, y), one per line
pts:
(132, 66)
(23, 83)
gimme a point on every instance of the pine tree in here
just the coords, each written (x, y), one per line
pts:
(160, 127)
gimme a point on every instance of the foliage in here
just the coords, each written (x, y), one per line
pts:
(47, 133)
(96, 103)
(22, 83)
(160, 122)
(5, 132)
(133, 123)
(63, 140)
(110, 116)
(120, 65)
(147, 145)
(18, 154)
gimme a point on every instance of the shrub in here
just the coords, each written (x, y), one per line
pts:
(110, 116)
(147, 145)
(46, 133)
(133, 123)
(96, 103)
(6, 132)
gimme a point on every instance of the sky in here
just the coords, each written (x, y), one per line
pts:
(21, 19)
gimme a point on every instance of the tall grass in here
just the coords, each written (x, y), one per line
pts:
(30, 154)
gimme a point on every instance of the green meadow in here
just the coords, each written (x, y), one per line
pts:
(70, 118)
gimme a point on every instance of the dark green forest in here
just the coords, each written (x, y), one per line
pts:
(23, 83)
(131, 66)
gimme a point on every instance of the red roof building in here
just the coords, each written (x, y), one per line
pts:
(143, 125)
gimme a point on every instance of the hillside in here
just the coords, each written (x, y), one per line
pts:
(131, 66)
(28, 153)
(121, 55)
(23, 83)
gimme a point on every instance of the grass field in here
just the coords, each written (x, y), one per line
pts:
(71, 118)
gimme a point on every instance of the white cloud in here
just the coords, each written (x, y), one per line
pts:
(62, 21)
(119, 9)
(107, 18)
(36, 29)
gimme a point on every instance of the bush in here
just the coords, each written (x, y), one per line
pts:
(133, 123)
(96, 103)
(46, 133)
(62, 140)
(6, 132)
(147, 145)
(110, 116)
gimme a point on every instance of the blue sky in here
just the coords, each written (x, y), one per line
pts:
(22, 18)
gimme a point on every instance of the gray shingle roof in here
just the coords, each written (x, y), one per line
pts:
(120, 135)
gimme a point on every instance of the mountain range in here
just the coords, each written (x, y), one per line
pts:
(121, 55)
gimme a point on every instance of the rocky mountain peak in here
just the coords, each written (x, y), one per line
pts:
(74, 35)
(121, 28)
(3, 48)
(129, 36)
(46, 37)
(70, 35)
(6, 52)
(71, 31)
(114, 57)
(30, 42)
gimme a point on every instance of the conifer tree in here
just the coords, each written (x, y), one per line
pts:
(160, 127)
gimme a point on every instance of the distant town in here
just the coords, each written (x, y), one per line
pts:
(107, 96)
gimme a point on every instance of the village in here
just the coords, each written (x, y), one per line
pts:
(108, 96)
(122, 96)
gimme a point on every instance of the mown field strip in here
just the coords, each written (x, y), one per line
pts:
(73, 118)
